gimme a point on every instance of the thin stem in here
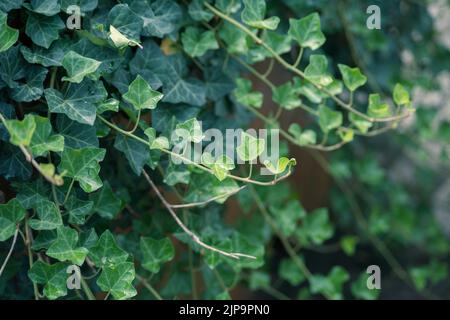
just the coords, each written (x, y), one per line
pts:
(28, 243)
(69, 191)
(136, 124)
(203, 203)
(253, 71)
(149, 287)
(191, 265)
(193, 236)
(298, 72)
(275, 293)
(299, 57)
(269, 68)
(87, 290)
(11, 249)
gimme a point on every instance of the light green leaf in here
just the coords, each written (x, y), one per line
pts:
(8, 35)
(281, 165)
(361, 291)
(49, 216)
(118, 279)
(330, 285)
(360, 123)
(196, 41)
(64, 248)
(78, 67)
(220, 166)
(106, 251)
(346, 134)
(43, 30)
(205, 186)
(287, 216)
(290, 272)
(11, 214)
(353, 78)
(155, 253)
(250, 147)
(43, 140)
(141, 95)
(378, 109)
(254, 13)
(246, 96)
(198, 12)
(329, 119)
(348, 244)
(110, 104)
(119, 40)
(53, 277)
(286, 96)
(21, 131)
(317, 70)
(83, 166)
(303, 138)
(316, 227)
(190, 130)
(401, 95)
(307, 31)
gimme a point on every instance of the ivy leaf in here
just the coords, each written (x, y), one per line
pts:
(254, 13)
(156, 252)
(329, 119)
(43, 140)
(378, 109)
(76, 135)
(43, 30)
(353, 78)
(360, 123)
(126, 21)
(317, 70)
(330, 285)
(106, 251)
(8, 35)
(52, 276)
(141, 95)
(11, 214)
(8, 5)
(12, 67)
(79, 102)
(288, 216)
(307, 31)
(78, 210)
(197, 11)
(196, 41)
(119, 40)
(106, 203)
(85, 5)
(401, 95)
(49, 216)
(303, 138)
(205, 186)
(290, 272)
(51, 57)
(83, 166)
(78, 67)
(108, 105)
(360, 291)
(64, 248)
(250, 147)
(348, 244)
(245, 96)
(190, 130)
(237, 42)
(118, 279)
(286, 97)
(33, 88)
(316, 227)
(136, 152)
(281, 165)
(220, 166)
(45, 7)
(21, 131)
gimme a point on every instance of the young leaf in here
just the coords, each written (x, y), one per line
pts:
(118, 279)
(196, 42)
(307, 31)
(8, 35)
(401, 95)
(330, 285)
(245, 96)
(64, 248)
(378, 109)
(304, 138)
(83, 166)
(317, 70)
(43, 140)
(21, 131)
(329, 119)
(353, 78)
(156, 252)
(250, 147)
(11, 214)
(78, 67)
(141, 95)
(106, 251)
(286, 97)
(289, 272)
(190, 130)
(360, 123)
(119, 40)
(281, 165)
(254, 13)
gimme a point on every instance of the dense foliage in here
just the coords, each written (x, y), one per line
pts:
(88, 120)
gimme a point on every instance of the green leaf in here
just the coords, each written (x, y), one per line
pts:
(303, 138)
(361, 291)
(286, 96)
(346, 134)
(11, 214)
(83, 166)
(79, 102)
(106, 203)
(190, 130)
(126, 21)
(348, 244)
(51, 57)
(76, 135)
(64, 248)
(330, 285)
(8, 35)
(259, 280)
(118, 279)
(317, 70)
(155, 253)
(378, 109)
(43, 30)
(316, 227)
(281, 165)
(49, 216)
(33, 88)
(198, 12)
(254, 13)
(108, 105)
(307, 31)
(220, 166)
(43, 140)
(21, 131)
(360, 123)
(12, 68)
(52, 276)
(78, 210)
(107, 252)
(245, 96)
(329, 119)
(196, 41)
(141, 95)
(401, 95)
(136, 152)
(290, 272)
(203, 187)
(287, 216)
(45, 7)
(250, 147)
(119, 40)
(78, 67)
(353, 78)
